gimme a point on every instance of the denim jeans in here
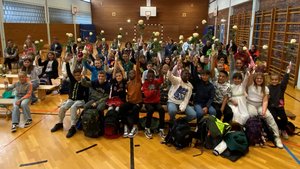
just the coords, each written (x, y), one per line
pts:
(73, 106)
(16, 111)
(200, 113)
(174, 108)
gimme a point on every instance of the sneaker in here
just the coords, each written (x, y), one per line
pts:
(57, 126)
(14, 128)
(148, 133)
(125, 134)
(34, 101)
(133, 132)
(278, 142)
(27, 123)
(162, 134)
(284, 134)
(71, 132)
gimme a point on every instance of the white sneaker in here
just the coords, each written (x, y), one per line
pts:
(125, 134)
(162, 134)
(133, 132)
(278, 142)
(148, 133)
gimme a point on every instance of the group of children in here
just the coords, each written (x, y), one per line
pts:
(186, 83)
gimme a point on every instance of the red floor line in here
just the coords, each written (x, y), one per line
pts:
(3, 147)
(291, 143)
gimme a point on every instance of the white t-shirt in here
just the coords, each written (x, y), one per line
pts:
(49, 66)
(255, 94)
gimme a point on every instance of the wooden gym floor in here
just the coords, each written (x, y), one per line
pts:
(37, 143)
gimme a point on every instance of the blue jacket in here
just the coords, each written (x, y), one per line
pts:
(93, 70)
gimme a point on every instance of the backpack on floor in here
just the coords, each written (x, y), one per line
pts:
(267, 131)
(210, 131)
(112, 124)
(91, 123)
(291, 129)
(180, 134)
(254, 129)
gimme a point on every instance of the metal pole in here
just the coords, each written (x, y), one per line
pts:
(131, 154)
(47, 19)
(2, 31)
(228, 22)
(254, 4)
(216, 20)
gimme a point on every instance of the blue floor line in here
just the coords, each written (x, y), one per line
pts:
(290, 152)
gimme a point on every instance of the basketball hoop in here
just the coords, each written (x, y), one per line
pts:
(147, 14)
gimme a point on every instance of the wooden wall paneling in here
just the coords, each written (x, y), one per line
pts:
(60, 30)
(19, 31)
(169, 14)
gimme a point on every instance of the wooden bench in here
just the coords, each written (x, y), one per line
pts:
(10, 77)
(7, 103)
(2, 86)
(42, 89)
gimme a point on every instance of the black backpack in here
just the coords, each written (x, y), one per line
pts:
(208, 134)
(91, 123)
(291, 129)
(180, 134)
(112, 124)
(254, 131)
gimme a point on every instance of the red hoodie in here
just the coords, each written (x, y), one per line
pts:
(152, 90)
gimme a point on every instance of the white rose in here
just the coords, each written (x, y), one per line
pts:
(103, 39)
(91, 33)
(133, 40)
(25, 45)
(244, 48)
(234, 27)
(121, 29)
(160, 42)
(156, 33)
(180, 37)
(119, 36)
(102, 31)
(67, 34)
(84, 51)
(204, 22)
(213, 38)
(141, 22)
(181, 42)
(70, 35)
(202, 59)
(155, 39)
(78, 39)
(293, 41)
(41, 40)
(195, 35)
(216, 40)
(190, 38)
(36, 42)
(265, 47)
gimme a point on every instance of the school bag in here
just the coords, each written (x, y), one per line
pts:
(210, 131)
(91, 123)
(180, 134)
(253, 130)
(291, 129)
(112, 124)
